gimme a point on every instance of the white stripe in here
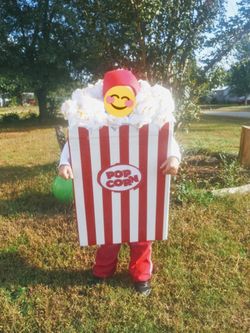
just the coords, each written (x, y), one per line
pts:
(116, 196)
(134, 194)
(78, 185)
(152, 180)
(97, 190)
(167, 190)
(166, 207)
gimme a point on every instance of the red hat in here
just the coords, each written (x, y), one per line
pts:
(120, 77)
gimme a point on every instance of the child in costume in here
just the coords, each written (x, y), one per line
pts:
(140, 266)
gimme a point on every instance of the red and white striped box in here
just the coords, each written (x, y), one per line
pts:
(120, 192)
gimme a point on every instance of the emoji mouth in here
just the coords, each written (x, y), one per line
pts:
(119, 108)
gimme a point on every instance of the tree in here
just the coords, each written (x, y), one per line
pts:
(38, 44)
(155, 38)
(52, 42)
(10, 87)
(160, 39)
(227, 34)
(240, 79)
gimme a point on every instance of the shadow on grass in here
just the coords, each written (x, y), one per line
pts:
(14, 173)
(16, 272)
(35, 194)
(31, 124)
(209, 153)
(33, 202)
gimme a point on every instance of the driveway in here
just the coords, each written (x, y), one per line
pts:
(227, 114)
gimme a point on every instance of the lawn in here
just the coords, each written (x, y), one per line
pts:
(226, 108)
(214, 134)
(201, 274)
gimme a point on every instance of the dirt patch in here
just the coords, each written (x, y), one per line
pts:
(218, 170)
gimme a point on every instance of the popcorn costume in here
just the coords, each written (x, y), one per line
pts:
(89, 108)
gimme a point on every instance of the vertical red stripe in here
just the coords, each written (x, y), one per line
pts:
(87, 184)
(162, 155)
(143, 166)
(106, 194)
(124, 159)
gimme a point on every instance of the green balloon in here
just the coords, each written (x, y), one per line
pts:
(63, 189)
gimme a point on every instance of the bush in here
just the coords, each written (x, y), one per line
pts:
(186, 191)
(30, 116)
(16, 115)
(186, 113)
(53, 105)
(231, 171)
(14, 102)
(10, 117)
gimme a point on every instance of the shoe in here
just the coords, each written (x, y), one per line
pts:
(143, 287)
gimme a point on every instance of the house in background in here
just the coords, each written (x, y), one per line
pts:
(4, 101)
(225, 95)
(28, 98)
(220, 94)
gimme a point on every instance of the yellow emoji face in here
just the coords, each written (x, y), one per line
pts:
(119, 101)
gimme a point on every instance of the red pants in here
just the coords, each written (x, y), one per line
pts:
(140, 266)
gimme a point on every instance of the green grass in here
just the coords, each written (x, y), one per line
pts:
(213, 134)
(201, 274)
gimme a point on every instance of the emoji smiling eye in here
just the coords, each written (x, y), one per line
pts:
(128, 101)
(114, 95)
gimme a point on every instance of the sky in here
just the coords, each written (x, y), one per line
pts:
(231, 8)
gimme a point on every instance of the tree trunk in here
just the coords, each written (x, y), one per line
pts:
(246, 99)
(244, 154)
(41, 95)
(61, 139)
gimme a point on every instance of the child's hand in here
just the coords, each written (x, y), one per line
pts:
(65, 171)
(170, 166)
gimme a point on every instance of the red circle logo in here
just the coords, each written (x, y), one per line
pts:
(120, 177)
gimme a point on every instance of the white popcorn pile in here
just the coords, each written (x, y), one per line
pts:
(154, 104)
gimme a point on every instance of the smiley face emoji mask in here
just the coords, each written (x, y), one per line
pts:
(119, 101)
(119, 90)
